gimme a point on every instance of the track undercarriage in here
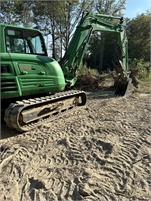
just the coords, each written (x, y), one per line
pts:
(27, 114)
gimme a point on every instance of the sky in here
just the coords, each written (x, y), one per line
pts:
(134, 7)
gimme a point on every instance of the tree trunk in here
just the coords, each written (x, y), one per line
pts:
(100, 68)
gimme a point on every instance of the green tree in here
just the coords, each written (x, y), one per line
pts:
(16, 12)
(7, 12)
(110, 7)
(54, 18)
(59, 19)
(138, 31)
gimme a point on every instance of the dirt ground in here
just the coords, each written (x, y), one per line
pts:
(101, 152)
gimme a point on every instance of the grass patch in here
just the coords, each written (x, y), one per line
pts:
(145, 86)
(145, 83)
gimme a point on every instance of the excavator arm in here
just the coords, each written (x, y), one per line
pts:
(89, 23)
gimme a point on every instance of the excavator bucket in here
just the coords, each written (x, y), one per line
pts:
(124, 88)
(122, 82)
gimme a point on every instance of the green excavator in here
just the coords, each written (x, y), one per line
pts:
(36, 88)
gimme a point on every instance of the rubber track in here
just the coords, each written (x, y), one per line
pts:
(14, 109)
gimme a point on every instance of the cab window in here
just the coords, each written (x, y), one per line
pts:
(24, 41)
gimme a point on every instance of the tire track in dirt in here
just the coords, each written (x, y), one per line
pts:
(67, 157)
(100, 153)
(16, 158)
(129, 150)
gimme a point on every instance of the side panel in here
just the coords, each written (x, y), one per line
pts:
(29, 75)
(9, 82)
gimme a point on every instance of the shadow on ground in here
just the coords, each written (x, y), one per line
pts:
(101, 94)
(7, 132)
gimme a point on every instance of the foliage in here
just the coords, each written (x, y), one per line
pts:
(112, 7)
(138, 32)
(59, 19)
(144, 68)
(84, 70)
(91, 79)
(16, 12)
(46, 18)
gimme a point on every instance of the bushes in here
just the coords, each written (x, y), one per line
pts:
(87, 71)
(90, 79)
(144, 74)
(144, 68)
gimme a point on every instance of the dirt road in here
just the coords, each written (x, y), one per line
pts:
(101, 152)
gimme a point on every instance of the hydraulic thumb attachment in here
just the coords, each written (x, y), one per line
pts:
(122, 82)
